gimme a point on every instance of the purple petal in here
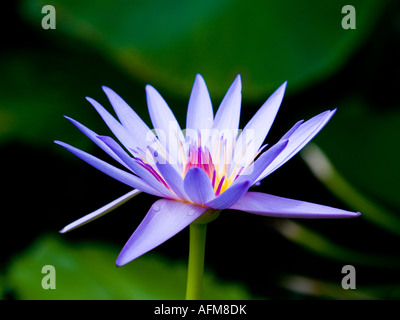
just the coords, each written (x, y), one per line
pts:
(252, 173)
(123, 135)
(228, 114)
(143, 173)
(198, 186)
(226, 121)
(254, 133)
(94, 137)
(230, 196)
(118, 174)
(164, 219)
(164, 122)
(101, 212)
(269, 205)
(298, 139)
(292, 130)
(200, 113)
(129, 119)
(172, 178)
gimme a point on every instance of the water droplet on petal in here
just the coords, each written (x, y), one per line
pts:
(156, 208)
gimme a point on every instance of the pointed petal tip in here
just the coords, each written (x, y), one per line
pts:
(275, 206)
(63, 144)
(151, 92)
(73, 121)
(280, 91)
(120, 262)
(108, 91)
(283, 86)
(67, 228)
(236, 84)
(346, 215)
(149, 88)
(238, 80)
(59, 142)
(63, 230)
(199, 77)
(91, 100)
(124, 259)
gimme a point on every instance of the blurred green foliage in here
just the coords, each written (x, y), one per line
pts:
(87, 271)
(168, 42)
(313, 287)
(126, 44)
(367, 137)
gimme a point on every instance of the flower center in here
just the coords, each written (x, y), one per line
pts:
(220, 164)
(199, 156)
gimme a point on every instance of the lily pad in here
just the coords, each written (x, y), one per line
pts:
(167, 42)
(39, 87)
(87, 271)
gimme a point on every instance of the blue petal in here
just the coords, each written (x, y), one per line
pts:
(252, 173)
(164, 219)
(200, 113)
(123, 135)
(118, 174)
(269, 205)
(94, 137)
(172, 178)
(135, 167)
(298, 139)
(101, 211)
(130, 120)
(228, 114)
(226, 121)
(229, 196)
(198, 186)
(255, 131)
(168, 130)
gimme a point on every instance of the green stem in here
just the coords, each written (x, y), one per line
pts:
(197, 244)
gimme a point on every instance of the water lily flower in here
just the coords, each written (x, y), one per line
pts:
(200, 171)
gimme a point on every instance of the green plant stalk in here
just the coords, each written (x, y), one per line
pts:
(323, 169)
(197, 244)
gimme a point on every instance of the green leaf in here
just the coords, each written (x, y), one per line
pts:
(167, 42)
(87, 271)
(38, 87)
